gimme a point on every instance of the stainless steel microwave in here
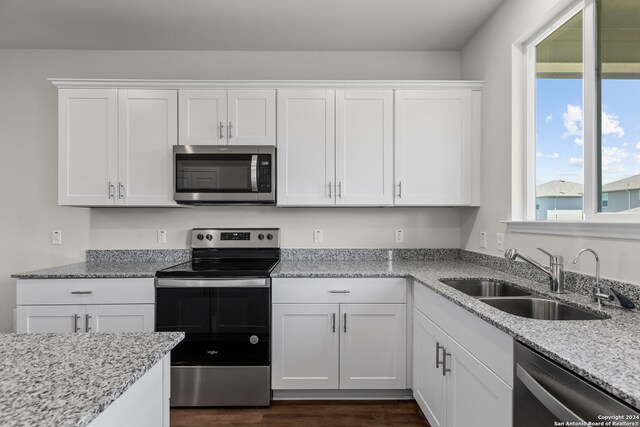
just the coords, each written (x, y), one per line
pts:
(221, 174)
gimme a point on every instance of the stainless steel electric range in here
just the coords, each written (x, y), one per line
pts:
(221, 299)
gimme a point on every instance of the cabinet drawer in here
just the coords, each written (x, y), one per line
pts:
(85, 291)
(339, 290)
(488, 344)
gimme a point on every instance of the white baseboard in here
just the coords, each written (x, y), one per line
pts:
(342, 394)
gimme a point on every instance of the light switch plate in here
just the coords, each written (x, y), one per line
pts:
(162, 236)
(317, 236)
(500, 241)
(399, 235)
(483, 239)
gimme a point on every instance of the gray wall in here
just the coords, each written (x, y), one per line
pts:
(545, 204)
(622, 200)
(28, 165)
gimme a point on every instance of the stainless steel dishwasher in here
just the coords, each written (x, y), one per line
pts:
(546, 394)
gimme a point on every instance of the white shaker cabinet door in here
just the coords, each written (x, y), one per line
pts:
(147, 133)
(50, 318)
(120, 318)
(88, 144)
(433, 147)
(252, 117)
(305, 346)
(475, 392)
(364, 147)
(373, 346)
(429, 384)
(306, 147)
(203, 117)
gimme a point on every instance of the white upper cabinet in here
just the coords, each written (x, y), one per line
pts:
(306, 147)
(221, 117)
(436, 147)
(203, 117)
(115, 147)
(148, 130)
(364, 147)
(335, 147)
(88, 138)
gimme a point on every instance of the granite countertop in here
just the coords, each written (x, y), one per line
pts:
(606, 352)
(69, 379)
(99, 270)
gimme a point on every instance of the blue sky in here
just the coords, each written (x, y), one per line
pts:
(559, 143)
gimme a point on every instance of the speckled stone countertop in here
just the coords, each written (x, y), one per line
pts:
(606, 352)
(98, 269)
(69, 379)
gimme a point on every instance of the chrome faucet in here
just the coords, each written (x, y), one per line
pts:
(555, 271)
(605, 293)
(598, 294)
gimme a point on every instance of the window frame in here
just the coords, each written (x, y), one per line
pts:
(590, 101)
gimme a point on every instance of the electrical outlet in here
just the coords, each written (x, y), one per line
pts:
(162, 236)
(500, 241)
(483, 239)
(399, 235)
(317, 236)
(56, 237)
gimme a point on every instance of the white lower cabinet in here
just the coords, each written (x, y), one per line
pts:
(324, 338)
(452, 386)
(103, 305)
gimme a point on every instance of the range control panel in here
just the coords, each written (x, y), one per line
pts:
(235, 238)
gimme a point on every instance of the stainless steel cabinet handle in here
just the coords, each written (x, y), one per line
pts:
(112, 190)
(87, 319)
(221, 127)
(329, 189)
(81, 292)
(340, 189)
(400, 190)
(345, 322)
(120, 190)
(438, 347)
(76, 319)
(444, 362)
(556, 407)
(333, 323)
(230, 135)
(339, 291)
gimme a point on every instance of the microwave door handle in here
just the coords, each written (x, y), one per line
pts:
(254, 173)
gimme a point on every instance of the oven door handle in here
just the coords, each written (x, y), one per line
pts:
(254, 173)
(212, 283)
(549, 401)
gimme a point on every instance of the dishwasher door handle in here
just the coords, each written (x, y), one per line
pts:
(549, 401)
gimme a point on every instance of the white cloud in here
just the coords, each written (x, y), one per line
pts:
(612, 158)
(572, 121)
(539, 154)
(611, 125)
(549, 118)
(638, 146)
(576, 161)
(554, 155)
(578, 141)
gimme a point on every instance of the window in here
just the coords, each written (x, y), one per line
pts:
(583, 115)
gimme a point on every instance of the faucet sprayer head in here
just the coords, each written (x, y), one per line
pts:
(511, 254)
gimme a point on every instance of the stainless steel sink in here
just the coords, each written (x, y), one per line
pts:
(485, 288)
(541, 309)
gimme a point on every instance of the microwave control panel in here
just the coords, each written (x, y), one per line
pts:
(264, 173)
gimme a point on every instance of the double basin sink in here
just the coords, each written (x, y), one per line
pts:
(517, 301)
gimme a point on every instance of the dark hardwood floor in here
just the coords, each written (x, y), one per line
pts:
(306, 413)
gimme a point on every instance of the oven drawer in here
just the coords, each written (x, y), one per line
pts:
(338, 290)
(85, 291)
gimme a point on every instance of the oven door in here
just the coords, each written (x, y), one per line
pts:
(221, 174)
(226, 321)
